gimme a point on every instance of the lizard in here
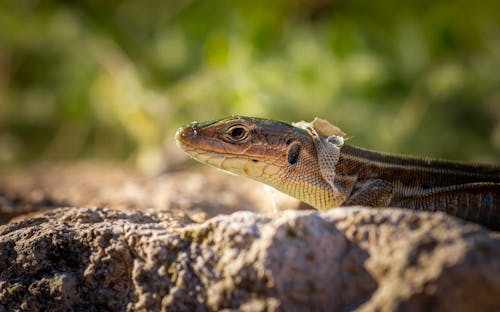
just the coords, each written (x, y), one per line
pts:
(309, 161)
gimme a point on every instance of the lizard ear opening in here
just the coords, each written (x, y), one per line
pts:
(293, 153)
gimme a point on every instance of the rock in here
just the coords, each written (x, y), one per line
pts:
(162, 243)
(90, 259)
(202, 191)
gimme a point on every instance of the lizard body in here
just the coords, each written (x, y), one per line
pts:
(310, 162)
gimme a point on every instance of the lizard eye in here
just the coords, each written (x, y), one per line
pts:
(237, 133)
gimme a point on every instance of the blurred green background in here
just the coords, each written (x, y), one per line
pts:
(114, 79)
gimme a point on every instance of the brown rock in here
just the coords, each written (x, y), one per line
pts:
(155, 248)
(202, 191)
(366, 259)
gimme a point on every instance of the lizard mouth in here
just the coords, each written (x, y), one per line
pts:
(200, 143)
(191, 140)
(190, 136)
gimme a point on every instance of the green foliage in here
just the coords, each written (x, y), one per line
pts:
(113, 79)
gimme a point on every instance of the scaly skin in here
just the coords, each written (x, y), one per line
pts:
(285, 157)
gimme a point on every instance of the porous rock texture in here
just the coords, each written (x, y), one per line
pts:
(140, 252)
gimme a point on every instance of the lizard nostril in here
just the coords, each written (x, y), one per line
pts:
(187, 131)
(194, 128)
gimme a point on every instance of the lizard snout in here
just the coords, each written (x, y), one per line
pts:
(185, 134)
(188, 131)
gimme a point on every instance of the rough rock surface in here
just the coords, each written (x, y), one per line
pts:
(201, 191)
(142, 253)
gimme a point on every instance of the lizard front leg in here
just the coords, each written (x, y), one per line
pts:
(374, 193)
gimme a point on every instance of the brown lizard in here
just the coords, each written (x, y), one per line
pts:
(310, 162)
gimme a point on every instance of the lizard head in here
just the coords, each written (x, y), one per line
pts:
(276, 153)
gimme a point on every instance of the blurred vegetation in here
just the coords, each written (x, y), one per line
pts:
(114, 79)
